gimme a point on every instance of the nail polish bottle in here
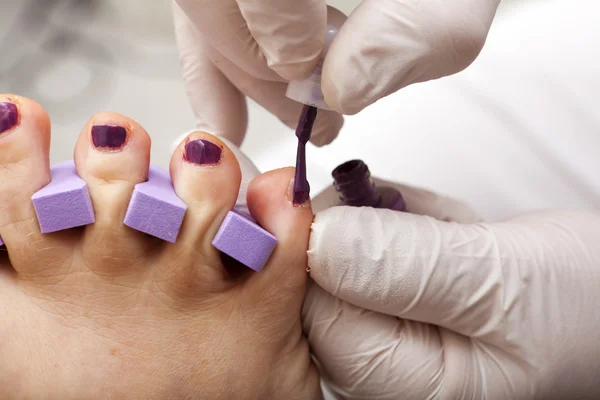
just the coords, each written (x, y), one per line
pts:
(352, 181)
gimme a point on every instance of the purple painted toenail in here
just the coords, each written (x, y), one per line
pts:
(65, 202)
(242, 239)
(9, 116)
(1, 242)
(154, 207)
(202, 152)
(108, 136)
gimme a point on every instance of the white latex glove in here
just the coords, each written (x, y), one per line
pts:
(235, 48)
(410, 307)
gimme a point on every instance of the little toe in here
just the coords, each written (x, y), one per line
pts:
(24, 169)
(112, 155)
(207, 177)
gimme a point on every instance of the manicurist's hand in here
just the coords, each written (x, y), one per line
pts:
(409, 306)
(231, 49)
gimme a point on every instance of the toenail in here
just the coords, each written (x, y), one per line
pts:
(298, 199)
(9, 116)
(202, 152)
(110, 137)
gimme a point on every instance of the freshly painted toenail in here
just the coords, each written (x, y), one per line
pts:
(1, 242)
(299, 198)
(9, 116)
(65, 202)
(202, 152)
(154, 207)
(108, 136)
(241, 238)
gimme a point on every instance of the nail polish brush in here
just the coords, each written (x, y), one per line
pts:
(303, 132)
(308, 92)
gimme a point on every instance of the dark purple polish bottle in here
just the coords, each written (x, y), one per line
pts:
(352, 180)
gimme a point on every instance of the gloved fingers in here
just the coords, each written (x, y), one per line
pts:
(425, 202)
(290, 33)
(384, 46)
(476, 280)
(418, 201)
(363, 354)
(222, 24)
(267, 38)
(219, 107)
(271, 96)
(409, 266)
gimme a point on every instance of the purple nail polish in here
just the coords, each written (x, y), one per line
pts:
(352, 180)
(9, 116)
(202, 152)
(303, 133)
(108, 136)
(301, 192)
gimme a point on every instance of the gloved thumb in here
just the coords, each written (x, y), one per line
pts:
(387, 45)
(461, 277)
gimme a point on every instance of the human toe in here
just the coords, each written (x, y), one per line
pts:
(24, 169)
(112, 155)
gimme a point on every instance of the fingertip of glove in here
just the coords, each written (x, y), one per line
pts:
(459, 211)
(342, 101)
(294, 70)
(326, 128)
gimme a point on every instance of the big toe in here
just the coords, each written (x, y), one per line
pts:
(284, 277)
(275, 295)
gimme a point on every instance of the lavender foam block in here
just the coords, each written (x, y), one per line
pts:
(154, 207)
(65, 202)
(241, 238)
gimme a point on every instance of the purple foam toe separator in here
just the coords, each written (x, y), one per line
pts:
(154, 208)
(65, 202)
(1, 242)
(242, 239)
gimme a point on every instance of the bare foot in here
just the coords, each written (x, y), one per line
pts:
(106, 312)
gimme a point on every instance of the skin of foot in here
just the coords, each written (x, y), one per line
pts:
(107, 312)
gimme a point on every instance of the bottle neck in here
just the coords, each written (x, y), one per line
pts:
(352, 180)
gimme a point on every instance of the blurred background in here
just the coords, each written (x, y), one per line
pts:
(80, 57)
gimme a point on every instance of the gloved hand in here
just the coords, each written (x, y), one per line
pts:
(408, 306)
(235, 48)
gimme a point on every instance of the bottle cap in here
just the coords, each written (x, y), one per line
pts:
(352, 181)
(308, 91)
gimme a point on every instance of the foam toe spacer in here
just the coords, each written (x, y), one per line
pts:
(242, 239)
(154, 208)
(65, 202)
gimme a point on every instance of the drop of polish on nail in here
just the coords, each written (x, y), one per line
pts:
(108, 136)
(301, 193)
(9, 116)
(202, 152)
